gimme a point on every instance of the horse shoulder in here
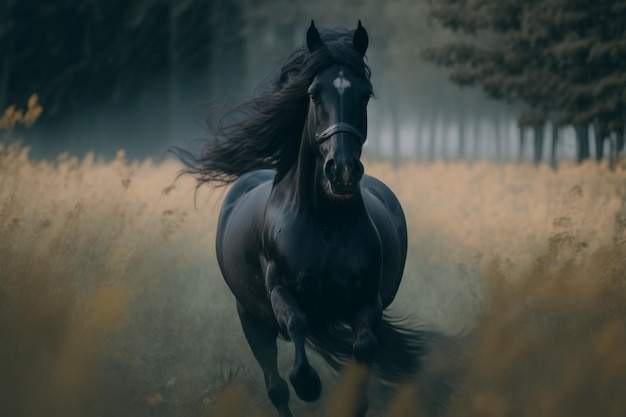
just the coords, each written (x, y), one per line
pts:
(238, 235)
(386, 212)
(377, 189)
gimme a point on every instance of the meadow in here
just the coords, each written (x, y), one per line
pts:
(111, 301)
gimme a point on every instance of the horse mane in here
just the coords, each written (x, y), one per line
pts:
(264, 131)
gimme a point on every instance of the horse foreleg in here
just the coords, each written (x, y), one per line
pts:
(366, 344)
(290, 317)
(262, 340)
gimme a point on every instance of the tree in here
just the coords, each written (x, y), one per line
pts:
(120, 70)
(564, 59)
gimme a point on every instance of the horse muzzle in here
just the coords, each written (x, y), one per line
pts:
(343, 178)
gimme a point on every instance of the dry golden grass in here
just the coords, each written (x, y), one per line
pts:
(89, 251)
(552, 342)
(13, 116)
(111, 302)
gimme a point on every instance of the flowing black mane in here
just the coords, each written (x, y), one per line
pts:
(311, 247)
(265, 130)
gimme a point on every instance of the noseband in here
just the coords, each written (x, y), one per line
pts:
(340, 127)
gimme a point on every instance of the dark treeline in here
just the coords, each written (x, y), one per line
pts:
(141, 75)
(114, 74)
(564, 60)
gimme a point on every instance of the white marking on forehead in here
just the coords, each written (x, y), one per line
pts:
(341, 83)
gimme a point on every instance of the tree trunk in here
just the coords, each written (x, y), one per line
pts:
(7, 52)
(432, 142)
(520, 156)
(173, 72)
(230, 61)
(503, 134)
(619, 142)
(476, 137)
(538, 146)
(4, 81)
(612, 152)
(582, 143)
(395, 134)
(601, 134)
(496, 134)
(418, 126)
(555, 141)
(462, 150)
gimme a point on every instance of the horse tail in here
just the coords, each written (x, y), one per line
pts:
(402, 350)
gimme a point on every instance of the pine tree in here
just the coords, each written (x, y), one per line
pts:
(564, 59)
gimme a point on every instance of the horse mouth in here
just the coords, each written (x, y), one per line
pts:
(343, 190)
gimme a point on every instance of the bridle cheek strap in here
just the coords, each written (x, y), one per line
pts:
(340, 127)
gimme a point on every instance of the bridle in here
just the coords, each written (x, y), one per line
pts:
(339, 127)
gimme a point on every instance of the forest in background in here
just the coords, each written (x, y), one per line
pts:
(563, 60)
(141, 75)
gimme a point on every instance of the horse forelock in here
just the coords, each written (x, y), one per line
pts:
(336, 49)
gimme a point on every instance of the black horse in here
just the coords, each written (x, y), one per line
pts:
(310, 247)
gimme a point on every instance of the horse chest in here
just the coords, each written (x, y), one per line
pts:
(330, 272)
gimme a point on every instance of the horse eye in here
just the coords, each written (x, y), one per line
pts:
(314, 99)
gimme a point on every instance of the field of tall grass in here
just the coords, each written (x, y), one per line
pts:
(111, 302)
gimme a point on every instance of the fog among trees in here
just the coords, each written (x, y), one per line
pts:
(456, 79)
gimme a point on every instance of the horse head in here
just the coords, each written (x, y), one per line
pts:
(337, 118)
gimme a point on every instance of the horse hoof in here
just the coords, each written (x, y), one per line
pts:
(306, 383)
(365, 347)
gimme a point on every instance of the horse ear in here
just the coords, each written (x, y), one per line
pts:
(313, 39)
(360, 40)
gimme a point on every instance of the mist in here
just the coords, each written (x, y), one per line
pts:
(144, 76)
(111, 299)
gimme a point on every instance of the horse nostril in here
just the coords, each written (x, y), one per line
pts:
(330, 170)
(358, 170)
